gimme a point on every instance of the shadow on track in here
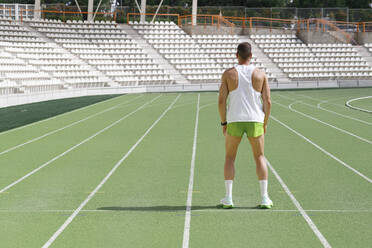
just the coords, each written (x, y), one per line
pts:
(164, 208)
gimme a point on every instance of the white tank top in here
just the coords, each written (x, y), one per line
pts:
(245, 103)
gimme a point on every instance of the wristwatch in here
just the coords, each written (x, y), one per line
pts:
(224, 123)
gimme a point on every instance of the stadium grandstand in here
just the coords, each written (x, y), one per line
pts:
(110, 136)
(42, 52)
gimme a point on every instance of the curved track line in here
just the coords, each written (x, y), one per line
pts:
(325, 123)
(323, 150)
(327, 110)
(207, 105)
(357, 108)
(324, 101)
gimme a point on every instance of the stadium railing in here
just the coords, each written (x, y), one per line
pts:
(262, 22)
(5, 10)
(211, 20)
(214, 20)
(325, 25)
(365, 26)
(149, 17)
(68, 15)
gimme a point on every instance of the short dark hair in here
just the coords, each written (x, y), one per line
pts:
(245, 50)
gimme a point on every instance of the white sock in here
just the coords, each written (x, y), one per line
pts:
(228, 186)
(263, 187)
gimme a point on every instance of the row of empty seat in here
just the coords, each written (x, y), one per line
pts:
(180, 49)
(313, 61)
(42, 55)
(107, 48)
(222, 48)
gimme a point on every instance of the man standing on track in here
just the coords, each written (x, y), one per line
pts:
(246, 86)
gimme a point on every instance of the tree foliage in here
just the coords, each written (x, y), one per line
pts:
(246, 3)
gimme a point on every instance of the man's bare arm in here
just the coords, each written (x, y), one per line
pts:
(222, 98)
(266, 98)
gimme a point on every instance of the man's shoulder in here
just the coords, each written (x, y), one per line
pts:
(230, 73)
(258, 74)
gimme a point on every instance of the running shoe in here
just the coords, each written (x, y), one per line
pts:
(266, 203)
(226, 203)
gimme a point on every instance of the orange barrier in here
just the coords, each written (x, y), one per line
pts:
(272, 23)
(261, 22)
(232, 22)
(365, 27)
(133, 15)
(214, 20)
(10, 11)
(350, 26)
(325, 25)
(43, 12)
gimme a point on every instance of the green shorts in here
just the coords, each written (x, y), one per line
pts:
(252, 129)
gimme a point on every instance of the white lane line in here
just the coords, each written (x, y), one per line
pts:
(330, 125)
(65, 127)
(324, 151)
(281, 210)
(326, 101)
(74, 147)
(312, 225)
(57, 116)
(209, 104)
(357, 108)
(186, 104)
(76, 212)
(345, 116)
(323, 122)
(327, 110)
(186, 230)
(131, 209)
(182, 105)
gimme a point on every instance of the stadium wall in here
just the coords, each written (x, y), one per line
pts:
(18, 99)
(363, 37)
(209, 30)
(24, 98)
(317, 37)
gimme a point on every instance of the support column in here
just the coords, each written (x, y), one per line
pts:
(37, 8)
(143, 11)
(90, 10)
(194, 11)
(16, 12)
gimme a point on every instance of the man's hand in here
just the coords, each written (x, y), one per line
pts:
(265, 128)
(224, 130)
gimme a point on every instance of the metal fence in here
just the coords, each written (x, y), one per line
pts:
(14, 10)
(331, 14)
(336, 14)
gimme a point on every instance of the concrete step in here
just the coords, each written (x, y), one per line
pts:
(157, 57)
(103, 77)
(339, 37)
(365, 53)
(273, 68)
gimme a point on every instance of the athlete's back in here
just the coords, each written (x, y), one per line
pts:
(255, 82)
(245, 86)
(245, 102)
